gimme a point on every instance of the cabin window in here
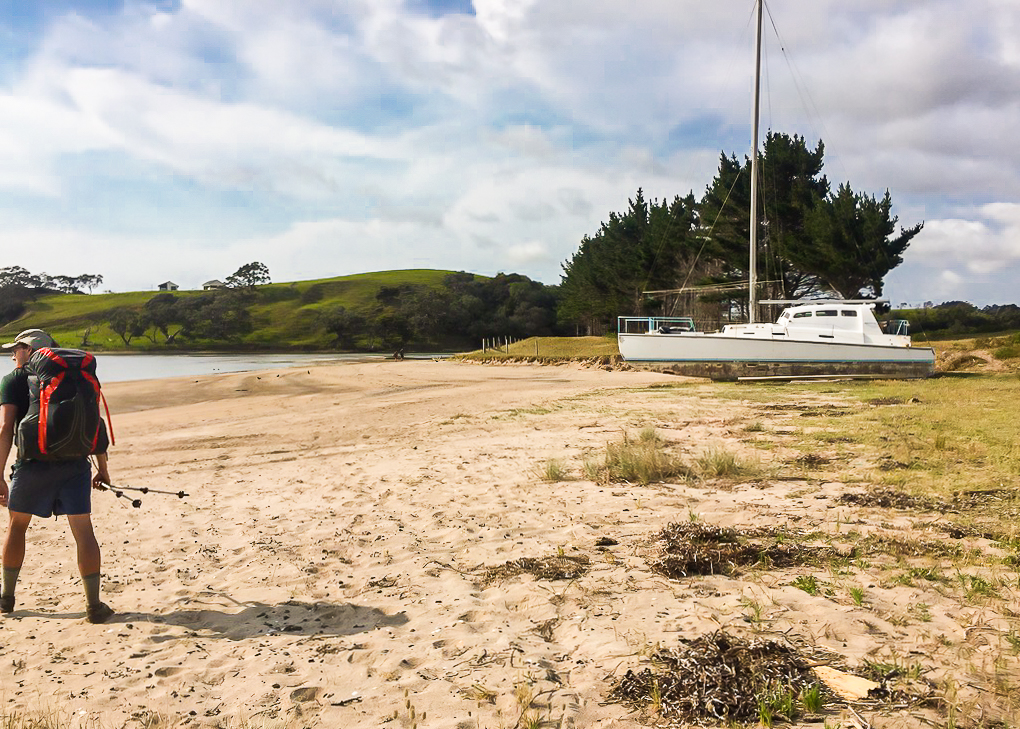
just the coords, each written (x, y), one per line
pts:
(826, 312)
(848, 312)
(801, 314)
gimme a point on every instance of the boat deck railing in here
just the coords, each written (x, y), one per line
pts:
(651, 324)
(896, 326)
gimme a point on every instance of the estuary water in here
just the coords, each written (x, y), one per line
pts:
(115, 367)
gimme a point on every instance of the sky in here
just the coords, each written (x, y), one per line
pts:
(180, 139)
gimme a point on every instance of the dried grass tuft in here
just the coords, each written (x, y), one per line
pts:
(642, 460)
(557, 567)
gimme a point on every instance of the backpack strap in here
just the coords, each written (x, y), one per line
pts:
(99, 394)
(44, 408)
(109, 420)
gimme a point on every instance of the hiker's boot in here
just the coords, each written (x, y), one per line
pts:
(98, 613)
(6, 603)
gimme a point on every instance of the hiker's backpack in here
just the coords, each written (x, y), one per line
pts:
(63, 421)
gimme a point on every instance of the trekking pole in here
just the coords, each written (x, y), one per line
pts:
(121, 495)
(147, 490)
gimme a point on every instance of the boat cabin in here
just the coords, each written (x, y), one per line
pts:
(837, 321)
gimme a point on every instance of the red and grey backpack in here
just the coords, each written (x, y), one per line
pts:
(63, 420)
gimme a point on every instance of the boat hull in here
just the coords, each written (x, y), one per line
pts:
(721, 357)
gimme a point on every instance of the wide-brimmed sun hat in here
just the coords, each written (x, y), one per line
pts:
(34, 338)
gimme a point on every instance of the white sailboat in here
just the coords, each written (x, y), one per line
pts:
(821, 338)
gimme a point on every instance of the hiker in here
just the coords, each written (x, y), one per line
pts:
(45, 487)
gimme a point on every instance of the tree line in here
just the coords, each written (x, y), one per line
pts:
(222, 315)
(956, 318)
(18, 286)
(15, 276)
(657, 256)
(218, 316)
(464, 310)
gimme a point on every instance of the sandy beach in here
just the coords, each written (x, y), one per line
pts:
(326, 566)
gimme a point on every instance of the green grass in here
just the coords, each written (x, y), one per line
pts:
(807, 583)
(811, 699)
(857, 595)
(955, 433)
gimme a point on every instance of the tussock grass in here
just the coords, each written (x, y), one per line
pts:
(719, 462)
(553, 471)
(645, 459)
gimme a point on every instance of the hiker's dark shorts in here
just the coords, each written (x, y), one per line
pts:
(51, 488)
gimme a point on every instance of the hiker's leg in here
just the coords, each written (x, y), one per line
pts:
(89, 558)
(89, 562)
(13, 557)
(14, 543)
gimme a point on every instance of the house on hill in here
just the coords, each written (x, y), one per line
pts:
(213, 285)
(168, 286)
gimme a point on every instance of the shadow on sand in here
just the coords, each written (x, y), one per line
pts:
(256, 619)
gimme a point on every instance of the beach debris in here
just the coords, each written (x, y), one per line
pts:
(545, 629)
(556, 567)
(810, 410)
(890, 499)
(878, 401)
(606, 542)
(304, 694)
(899, 682)
(717, 677)
(812, 460)
(383, 582)
(845, 685)
(695, 548)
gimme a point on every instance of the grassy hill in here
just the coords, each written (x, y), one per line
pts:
(285, 315)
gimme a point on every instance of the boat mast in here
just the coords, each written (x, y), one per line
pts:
(752, 304)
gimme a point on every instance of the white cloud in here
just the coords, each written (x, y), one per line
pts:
(982, 243)
(374, 136)
(525, 139)
(975, 257)
(530, 252)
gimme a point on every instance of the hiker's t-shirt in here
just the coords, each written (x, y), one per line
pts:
(14, 391)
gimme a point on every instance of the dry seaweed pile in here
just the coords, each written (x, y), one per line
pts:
(812, 460)
(558, 567)
(809, 411)
(716, 677)
(877, 401)
(703, 549)
(889, 499)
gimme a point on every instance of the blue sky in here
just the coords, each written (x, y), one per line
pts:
(181, 139)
